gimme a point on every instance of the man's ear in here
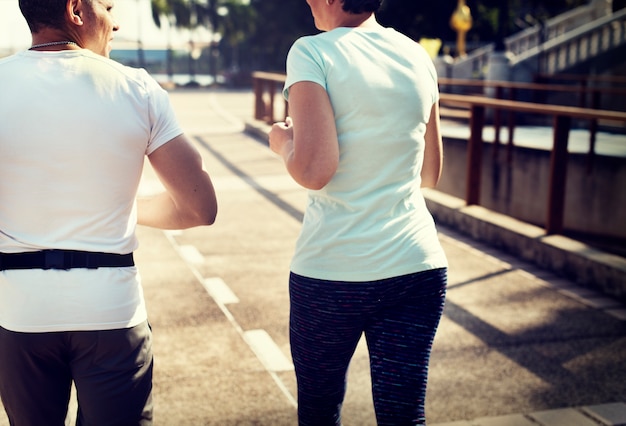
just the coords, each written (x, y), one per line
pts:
(74, 11)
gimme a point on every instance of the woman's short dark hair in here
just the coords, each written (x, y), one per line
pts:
(43, 13)
(361, 6)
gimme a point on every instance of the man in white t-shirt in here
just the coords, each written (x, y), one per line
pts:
(75, 128)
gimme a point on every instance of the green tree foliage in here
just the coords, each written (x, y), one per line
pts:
(280, 24)
(283, 22)
(257, 34)
(234, 20)
(419, 19)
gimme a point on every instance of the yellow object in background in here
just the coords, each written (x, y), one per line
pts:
(432, 46)
(461, 22)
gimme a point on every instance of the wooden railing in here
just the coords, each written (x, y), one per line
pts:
(585, 95)
(587, 91)
(582, 80)
(265, 86)
(561, 118)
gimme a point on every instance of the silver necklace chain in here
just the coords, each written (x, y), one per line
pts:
(52, 43)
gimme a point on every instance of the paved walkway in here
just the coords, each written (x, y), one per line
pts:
(516, 346)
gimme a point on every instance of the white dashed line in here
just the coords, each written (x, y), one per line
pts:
(219, 291)
(191, 254)
(267, 351)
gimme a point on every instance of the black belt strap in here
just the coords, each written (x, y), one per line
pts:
(64, 259)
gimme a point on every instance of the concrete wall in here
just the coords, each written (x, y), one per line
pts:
(595, 202)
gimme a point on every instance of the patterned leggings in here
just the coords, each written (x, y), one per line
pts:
(399, 317)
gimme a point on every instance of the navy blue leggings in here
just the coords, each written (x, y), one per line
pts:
(399, 317)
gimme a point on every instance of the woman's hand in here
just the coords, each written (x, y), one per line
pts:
(281, 136)
(310, 150)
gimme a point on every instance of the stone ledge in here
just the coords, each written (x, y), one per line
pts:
(564, 256)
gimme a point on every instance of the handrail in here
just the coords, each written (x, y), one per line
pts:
(582, 43)
(555, 26)
(265, 85)
(562, 117)
(588, 97)
(552, 40)
(579, 78)
(543, 87)
(535, 108)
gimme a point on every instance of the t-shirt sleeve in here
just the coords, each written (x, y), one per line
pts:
(163, 123)
(432, 71)
(304, 63)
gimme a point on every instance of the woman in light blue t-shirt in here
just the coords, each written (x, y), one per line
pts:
(363, 136)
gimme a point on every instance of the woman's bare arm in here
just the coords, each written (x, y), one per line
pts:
(433, 152)
(307, 141)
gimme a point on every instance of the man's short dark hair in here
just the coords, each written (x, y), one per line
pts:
(361, 6)
(43, 13)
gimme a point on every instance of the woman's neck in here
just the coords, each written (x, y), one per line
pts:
(363, 20)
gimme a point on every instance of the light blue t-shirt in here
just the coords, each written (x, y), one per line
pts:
(370, 221)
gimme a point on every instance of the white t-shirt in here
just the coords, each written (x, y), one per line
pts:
(370, 221)
(75, 128)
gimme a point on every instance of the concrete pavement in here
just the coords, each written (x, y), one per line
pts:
(517, 345)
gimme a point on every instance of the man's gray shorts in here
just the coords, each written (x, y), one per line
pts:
(111, 369)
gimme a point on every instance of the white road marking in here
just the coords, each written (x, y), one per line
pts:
(267, 351)
(259, 341)
(191, 254)
(261, 348)
(220, 291)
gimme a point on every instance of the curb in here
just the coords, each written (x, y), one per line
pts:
(583, 264)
